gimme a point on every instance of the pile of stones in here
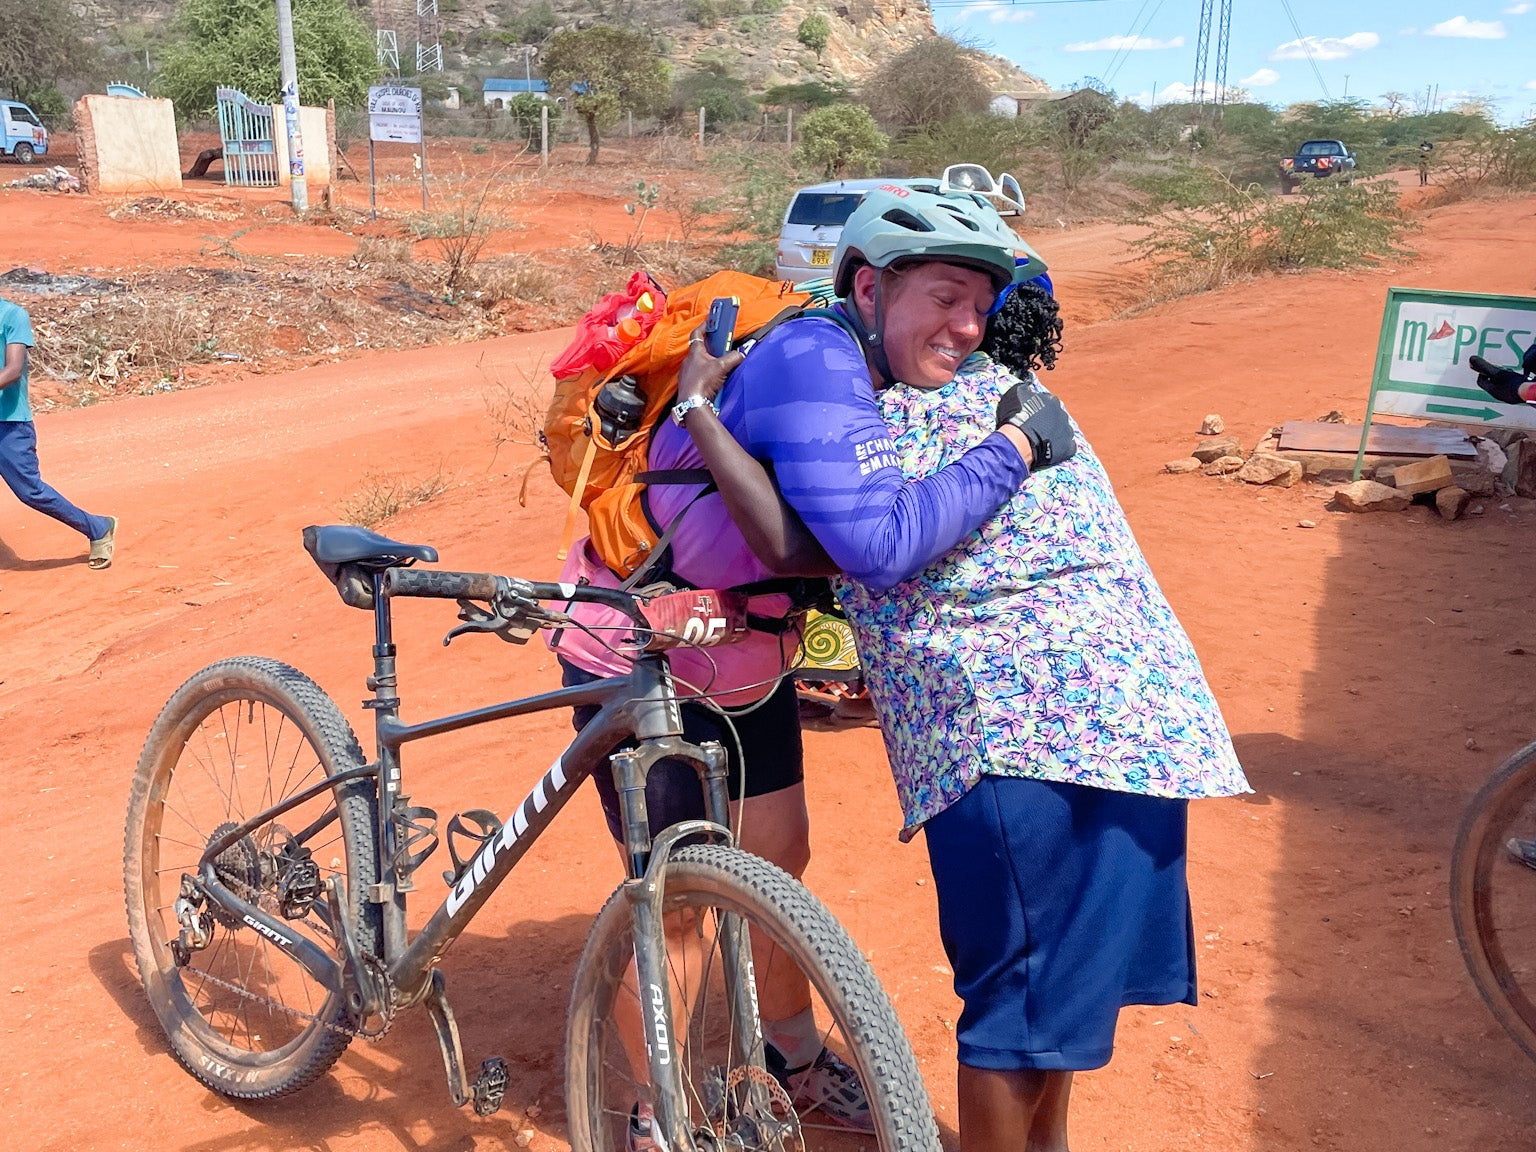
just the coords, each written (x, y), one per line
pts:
(1505, 466)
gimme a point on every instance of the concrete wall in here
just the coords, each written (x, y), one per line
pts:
(127, 144)
(318, 126)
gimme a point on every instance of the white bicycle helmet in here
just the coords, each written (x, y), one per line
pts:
(895, 224)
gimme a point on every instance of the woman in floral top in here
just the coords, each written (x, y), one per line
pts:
(1046, 721)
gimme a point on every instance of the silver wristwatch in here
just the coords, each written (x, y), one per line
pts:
(681, 409)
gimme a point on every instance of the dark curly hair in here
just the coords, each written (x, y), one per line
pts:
(1026, 334)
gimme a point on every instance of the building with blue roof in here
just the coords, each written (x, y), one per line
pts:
(495, 92)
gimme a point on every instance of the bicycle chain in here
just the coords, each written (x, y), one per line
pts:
(391, 993)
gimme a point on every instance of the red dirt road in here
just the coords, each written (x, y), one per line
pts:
(1353, 662)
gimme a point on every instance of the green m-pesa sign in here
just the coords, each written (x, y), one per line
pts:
(1426, 340)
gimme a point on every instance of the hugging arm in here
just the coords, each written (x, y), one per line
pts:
(804, 403)
(771, 528)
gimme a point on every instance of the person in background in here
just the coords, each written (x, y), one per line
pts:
(1046, 721)
(18, 443)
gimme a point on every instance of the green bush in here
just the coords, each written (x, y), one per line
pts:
(813, 94)
(841, 140)
(234, 43)
(527, 112)
(815, 32)
(1243, 231)
(767, 7)
(762, 182)
(1000, 143)
(722, 95)
(704, 13)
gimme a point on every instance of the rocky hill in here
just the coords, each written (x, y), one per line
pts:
(753, 39)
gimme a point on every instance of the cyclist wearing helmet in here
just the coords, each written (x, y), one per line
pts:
(924, 271)
(1046, 721)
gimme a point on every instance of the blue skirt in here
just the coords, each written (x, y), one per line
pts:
(1059, 905)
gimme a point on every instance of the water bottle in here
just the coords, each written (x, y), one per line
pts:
(620, 406)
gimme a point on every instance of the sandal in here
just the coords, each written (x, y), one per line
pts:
(101, 549)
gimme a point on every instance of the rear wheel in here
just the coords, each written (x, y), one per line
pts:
(237, 738)
(712, 889)
(23, 153)
(1493, 894)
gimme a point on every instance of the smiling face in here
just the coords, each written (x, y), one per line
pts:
(935, 315)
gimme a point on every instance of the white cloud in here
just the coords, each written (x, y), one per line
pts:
(1181, 93)
(997, 12)
(1460, 28)
(1263, 78)
(1408, 31)
(1531, 84)
(1518, 9)
(1326, 47)
(1125, 44)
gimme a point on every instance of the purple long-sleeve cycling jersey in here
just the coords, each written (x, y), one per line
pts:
(802, 403)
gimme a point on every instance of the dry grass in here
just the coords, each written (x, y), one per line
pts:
(384, 495)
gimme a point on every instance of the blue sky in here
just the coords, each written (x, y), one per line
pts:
(1477, 48)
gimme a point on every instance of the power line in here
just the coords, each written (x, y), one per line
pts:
(1131, 36)
(1306, 48)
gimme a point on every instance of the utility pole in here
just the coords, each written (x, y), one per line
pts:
(290, 74)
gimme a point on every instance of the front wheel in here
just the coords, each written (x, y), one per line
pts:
(238, 738)
(23, 153)
(1493, 894)
(710, 890)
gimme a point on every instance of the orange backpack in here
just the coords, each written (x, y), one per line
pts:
(607, 477)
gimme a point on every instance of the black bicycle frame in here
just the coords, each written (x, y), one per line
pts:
(642, 710)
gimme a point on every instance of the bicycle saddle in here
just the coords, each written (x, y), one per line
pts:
(347, 544)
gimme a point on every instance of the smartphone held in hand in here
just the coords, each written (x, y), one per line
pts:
(720, 325)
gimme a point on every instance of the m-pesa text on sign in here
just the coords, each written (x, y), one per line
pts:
(1426, 340)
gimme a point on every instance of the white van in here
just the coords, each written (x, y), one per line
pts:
(22, 135)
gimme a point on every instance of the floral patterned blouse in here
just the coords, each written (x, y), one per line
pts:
(1041, 646)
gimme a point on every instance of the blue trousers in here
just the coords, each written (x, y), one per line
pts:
(18, 467)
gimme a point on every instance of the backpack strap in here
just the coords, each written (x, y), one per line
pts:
(664, 541)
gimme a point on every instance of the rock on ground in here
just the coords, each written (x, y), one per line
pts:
(1267, 468)
(1450, 502)
(1369, 496)
(1222, 466)
(1213, 425)
(1216, 449)
(1188, 464)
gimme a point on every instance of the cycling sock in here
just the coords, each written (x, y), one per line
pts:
(797, 1039)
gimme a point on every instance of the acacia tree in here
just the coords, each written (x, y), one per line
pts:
(933, 81)
(607, 70)
(234, 43)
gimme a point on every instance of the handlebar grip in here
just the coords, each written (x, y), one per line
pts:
(440, 585)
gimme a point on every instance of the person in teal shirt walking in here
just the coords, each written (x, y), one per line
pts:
(18, 443)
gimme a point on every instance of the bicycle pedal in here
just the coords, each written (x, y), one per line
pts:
(490, 1087)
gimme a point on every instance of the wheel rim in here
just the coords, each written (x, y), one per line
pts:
(715, 1070)
(236, 755)
(1496, 911)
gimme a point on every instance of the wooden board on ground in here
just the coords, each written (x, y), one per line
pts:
(1384, 440)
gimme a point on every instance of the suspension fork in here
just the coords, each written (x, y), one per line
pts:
(659, 725)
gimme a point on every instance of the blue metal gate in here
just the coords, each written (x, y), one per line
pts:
(250, 156)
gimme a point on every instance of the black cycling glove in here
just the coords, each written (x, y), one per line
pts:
(1043, 420)
(1503, 384)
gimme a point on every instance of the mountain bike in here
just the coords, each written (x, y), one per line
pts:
(1493, 894)
(267, 867)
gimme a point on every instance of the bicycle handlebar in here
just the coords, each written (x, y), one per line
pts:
(441, 585)
(488, 586)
